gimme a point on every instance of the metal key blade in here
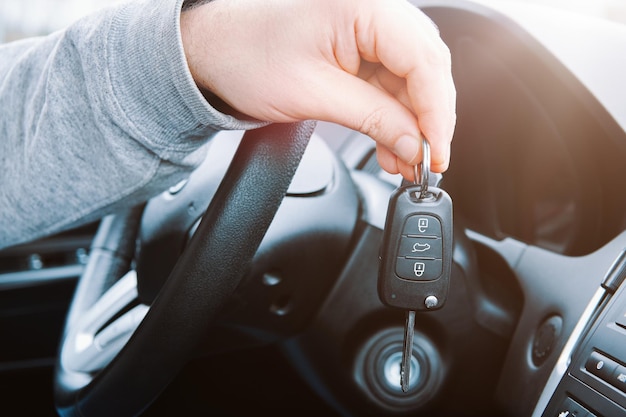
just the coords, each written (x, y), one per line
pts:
(407, 350)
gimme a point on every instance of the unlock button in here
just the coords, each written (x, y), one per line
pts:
(418, 269)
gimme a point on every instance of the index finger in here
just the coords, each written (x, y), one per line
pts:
(406, 42)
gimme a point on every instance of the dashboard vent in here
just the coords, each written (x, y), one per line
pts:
(63, 256)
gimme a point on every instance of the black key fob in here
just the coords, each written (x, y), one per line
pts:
(416, 251)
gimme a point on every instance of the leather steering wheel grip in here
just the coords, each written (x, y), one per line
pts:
(205, 276)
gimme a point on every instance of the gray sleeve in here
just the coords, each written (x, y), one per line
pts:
(97, 117)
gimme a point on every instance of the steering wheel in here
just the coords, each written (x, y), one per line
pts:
(106, 367)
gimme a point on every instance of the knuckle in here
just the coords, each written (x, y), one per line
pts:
(441, 56)
(445, 54)
(373, 123)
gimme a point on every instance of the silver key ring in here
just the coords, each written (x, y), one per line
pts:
(424, 169)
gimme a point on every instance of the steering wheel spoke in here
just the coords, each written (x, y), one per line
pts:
(98, 335)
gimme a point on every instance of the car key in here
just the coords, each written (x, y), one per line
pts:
(416, 253)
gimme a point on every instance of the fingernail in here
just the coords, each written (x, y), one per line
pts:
(406, 148)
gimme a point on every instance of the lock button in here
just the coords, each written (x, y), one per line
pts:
(419, 269)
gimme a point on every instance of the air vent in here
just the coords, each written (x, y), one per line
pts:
(60, 257)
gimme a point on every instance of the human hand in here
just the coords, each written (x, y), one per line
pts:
(376, 66)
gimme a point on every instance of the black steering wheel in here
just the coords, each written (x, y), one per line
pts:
(106, 367)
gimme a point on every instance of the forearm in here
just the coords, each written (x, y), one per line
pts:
(104, 114)
(104, 111)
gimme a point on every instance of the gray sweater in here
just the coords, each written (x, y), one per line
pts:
(100, 116)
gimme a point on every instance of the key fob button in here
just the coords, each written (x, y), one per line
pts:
(420, 247)
(422, 225)
(419, 269)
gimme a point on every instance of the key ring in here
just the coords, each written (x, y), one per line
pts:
(424, 169)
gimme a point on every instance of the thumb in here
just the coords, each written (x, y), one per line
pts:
(354, 103)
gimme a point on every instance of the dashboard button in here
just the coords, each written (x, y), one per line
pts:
(618, 379)
(600, 366)
(571, 408)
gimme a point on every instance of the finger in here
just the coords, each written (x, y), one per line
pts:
(432, 95)
(420, 56)
(382, 78)
(390, 163)
(387, 159)
(436, 117)
(347, 100)
(385, 80)
(441, 165)
(406, 170)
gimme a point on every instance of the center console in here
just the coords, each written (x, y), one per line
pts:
(594, 383)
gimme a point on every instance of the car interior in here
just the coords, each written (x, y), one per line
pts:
(252, 286)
